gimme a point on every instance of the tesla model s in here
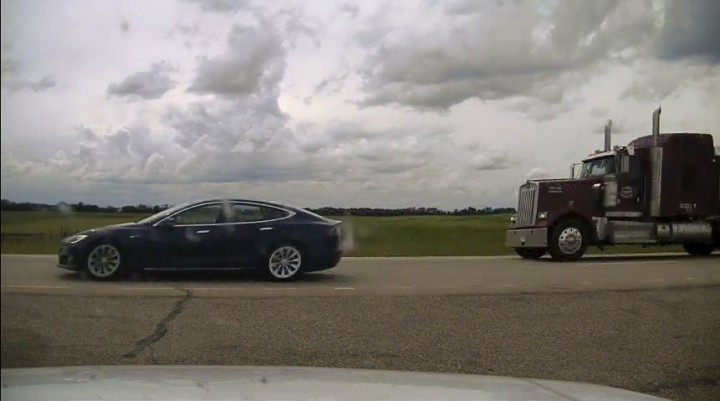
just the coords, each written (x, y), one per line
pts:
(278, 240)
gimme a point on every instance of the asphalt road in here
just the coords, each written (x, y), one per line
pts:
(649, 324)
(385, 276)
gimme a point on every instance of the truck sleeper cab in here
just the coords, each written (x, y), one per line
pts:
(660, 189)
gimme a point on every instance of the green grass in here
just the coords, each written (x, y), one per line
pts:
(44, 230)
(373, 236)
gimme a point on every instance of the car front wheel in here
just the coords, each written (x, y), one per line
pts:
(285, 263)
(104, 262)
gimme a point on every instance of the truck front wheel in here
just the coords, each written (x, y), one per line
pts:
(530, 253)
(568, 240)
(699, 249)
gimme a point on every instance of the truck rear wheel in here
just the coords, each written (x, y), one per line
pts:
(530, 253)
(568, 240)
(698, 249)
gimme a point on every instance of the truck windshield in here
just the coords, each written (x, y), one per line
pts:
(598, 167)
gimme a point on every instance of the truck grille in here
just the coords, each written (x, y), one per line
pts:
(527, 205)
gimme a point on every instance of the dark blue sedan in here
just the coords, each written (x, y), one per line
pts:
(278, 240)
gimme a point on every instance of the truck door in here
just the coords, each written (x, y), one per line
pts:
(624, 190)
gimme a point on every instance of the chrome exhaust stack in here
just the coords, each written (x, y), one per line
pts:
(608, 130)
(656, 162)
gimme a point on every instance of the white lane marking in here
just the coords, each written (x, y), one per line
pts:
(642, 262)
(148, 288)
(690, 278)
(279, 289)
(424, 258)
(32, 286)
(343, 288)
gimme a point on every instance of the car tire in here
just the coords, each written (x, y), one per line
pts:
(284, 262)
(104, 261)
(530, 253)
(568, 240)
(699, 249)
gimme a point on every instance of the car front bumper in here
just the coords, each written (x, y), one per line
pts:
(69, 257)
(527, 238)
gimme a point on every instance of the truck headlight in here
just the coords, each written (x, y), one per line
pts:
(542, 215)
(76, 238)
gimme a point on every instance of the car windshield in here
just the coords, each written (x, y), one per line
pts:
(157, 216)
(598, 167)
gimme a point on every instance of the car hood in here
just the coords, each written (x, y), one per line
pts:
(286, 383)
(114, 227)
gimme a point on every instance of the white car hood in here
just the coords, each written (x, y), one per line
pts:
(286, 383)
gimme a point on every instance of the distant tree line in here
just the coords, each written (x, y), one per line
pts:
(409, 211)
(325, 211)
(79, 207)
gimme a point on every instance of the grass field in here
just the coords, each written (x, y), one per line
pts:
(40, 232)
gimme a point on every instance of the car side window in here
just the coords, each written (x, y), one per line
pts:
(243, 213)
(207, 214)
(270, 213)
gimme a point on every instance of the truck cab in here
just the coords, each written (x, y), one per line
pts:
(659, 189)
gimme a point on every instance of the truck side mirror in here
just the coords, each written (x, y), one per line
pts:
(624, 164)
(596, 194)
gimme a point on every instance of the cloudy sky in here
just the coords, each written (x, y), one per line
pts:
(374, 103)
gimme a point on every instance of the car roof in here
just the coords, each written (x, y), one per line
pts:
(259, 202)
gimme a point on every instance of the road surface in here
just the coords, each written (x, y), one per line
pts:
(385, 276)
(648, 324)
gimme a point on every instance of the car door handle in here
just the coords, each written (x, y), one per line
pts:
(202, 232)
(265, 228)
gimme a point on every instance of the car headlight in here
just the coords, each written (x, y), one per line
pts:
(513, 219)
(542, 215)
(76, 238)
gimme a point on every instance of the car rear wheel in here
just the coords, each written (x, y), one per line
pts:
(568, 240)
(530, 253)
(104, 262)
(698, 249)
(285, 263)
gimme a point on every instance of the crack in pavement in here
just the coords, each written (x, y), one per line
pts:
(160, 328)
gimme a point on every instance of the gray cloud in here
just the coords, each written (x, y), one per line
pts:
(691, 29)
(221, 6)
(254, 61)
(13, 81)
(658, 79)
(480, 58)
(350, 9)
(150, 84)
(40, 85)
(124, 25)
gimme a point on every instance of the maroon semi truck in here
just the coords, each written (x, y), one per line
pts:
(659, 189)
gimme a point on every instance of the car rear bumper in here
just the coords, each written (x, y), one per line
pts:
(324, 261)
(527, 238)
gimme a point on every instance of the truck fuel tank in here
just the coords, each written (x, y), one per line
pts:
(690, 231)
